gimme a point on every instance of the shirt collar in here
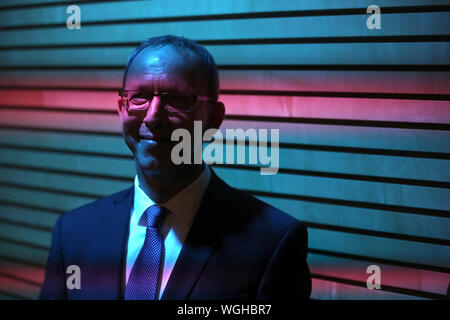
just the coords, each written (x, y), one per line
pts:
(183, 206)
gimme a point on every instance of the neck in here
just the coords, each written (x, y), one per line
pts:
(162, 188)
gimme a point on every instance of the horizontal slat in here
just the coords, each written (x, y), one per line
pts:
(65, 182)
(436, 255)
(23, 252)
(331, 135)
(339, 108)
(22, 270)
(363, 218)
(83, 161)
(40, 198)
(319, 82)
(326, 81)
(329, 290)
(251, 104)
(378, 247)
(6, 296)
(382, 193)
(123, 168)
(84, 100)
(112, 145)
(393, 276)
(26, 3)
(315, 212)
(432, 53)
(58, 120)
(86, 79)
(153, 9)
(18, 288)
(365, 137)
(42, 219)
(27, 235)
(267, 28)
(319, 213)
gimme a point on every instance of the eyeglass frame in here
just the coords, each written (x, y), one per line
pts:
(196, 98)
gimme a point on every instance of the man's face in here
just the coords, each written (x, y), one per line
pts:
(148, 133)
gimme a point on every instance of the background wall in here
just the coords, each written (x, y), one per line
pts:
(363, 116)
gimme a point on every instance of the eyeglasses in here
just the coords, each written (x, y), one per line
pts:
(135, 100)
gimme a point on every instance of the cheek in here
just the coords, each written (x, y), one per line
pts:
(201, 114)
(181, 120)
(130, 125)
(129, 121)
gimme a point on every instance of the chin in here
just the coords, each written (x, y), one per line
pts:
(154, 167)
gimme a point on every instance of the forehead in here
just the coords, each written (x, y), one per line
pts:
(167, 68)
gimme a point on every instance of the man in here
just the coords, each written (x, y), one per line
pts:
(180, 232)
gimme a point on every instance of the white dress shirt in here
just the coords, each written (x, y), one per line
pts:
(182, 209)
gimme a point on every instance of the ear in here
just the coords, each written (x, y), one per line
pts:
(217, 115)
(120, 107)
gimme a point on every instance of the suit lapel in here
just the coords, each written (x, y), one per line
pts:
(198, 246)
(111, 251)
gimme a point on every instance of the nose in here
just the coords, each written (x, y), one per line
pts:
(156, 113)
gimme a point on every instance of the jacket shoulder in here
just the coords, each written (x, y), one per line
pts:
(265, 213)
(251, 213)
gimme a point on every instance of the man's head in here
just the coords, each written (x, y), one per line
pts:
(167, 65)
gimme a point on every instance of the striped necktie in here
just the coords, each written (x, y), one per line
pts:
(144, 280)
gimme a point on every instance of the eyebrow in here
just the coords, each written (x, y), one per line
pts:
(151, 91)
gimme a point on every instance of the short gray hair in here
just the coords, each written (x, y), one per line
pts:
(206, 58)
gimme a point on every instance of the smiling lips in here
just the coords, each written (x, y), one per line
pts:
(152, 138)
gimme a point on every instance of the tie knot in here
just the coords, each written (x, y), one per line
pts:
(154, 216)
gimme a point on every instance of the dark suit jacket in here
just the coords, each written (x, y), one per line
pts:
(238, 247)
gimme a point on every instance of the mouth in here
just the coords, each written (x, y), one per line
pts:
(153, 139)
